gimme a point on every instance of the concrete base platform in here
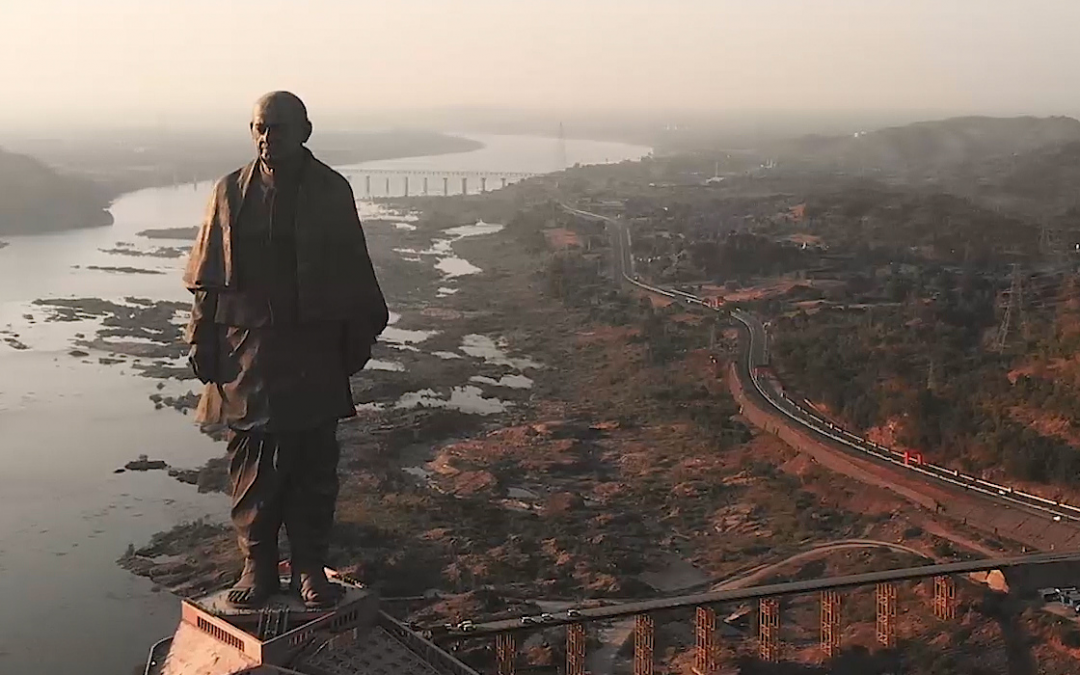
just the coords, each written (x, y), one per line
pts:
(283, 612)
(354, 637)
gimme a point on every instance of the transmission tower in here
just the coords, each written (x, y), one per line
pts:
(560, 150)
(1051, 244)
(1014, 310)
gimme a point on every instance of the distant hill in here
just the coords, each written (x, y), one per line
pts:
(945, 227)
(35, 198)
(1045, 181)
(930, 150)
(93, 171)
(127, 161)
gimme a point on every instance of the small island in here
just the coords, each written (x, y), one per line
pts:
(121, 269)
(178, 233)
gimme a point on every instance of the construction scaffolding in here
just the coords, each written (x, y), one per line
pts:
(575, 649)
(644, 636)
(765, 642)
(886, 611)
(830, 623)
(769, 629)
(944, 598)
(705, 638)
(505, 653)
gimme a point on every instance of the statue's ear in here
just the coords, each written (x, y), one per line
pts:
(307, 131)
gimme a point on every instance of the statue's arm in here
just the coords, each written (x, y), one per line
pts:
(200, 328)
(362, 330)
(201, 332)
(202, 335)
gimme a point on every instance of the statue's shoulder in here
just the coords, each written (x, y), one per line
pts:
(230, 182)
(326, 177)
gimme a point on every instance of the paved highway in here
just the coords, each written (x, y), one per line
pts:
(754, 356)
(800, 413)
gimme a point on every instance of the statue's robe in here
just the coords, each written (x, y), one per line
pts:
(287, 300)
(285, 288)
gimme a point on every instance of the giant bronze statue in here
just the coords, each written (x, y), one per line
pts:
(286, 308)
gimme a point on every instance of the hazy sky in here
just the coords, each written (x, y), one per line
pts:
(161, 61)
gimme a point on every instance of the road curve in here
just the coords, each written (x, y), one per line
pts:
(754, 356)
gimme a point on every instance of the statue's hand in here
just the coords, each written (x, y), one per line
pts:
(203, 360)
(356, 347)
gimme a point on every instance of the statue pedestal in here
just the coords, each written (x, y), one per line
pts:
(285, 637)
(215, 638)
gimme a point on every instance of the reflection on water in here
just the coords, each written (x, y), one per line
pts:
(483, 347)
(475, 230)
(509, 381)
(466, 399)
(401, 338)
(377, 364)
(454, 266)
(376, 211)
(448, 262)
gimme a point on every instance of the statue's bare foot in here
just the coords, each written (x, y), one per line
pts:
(254, 589)
(317, 591)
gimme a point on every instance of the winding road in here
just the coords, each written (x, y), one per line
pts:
(1055, 521)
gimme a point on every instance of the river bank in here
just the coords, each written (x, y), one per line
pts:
(526, 434)
(93, 379)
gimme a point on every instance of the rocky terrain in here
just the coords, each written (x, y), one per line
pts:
(530, 435)
(623, 471)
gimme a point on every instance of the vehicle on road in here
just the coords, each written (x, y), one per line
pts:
(1050, 594)
(1070, 597)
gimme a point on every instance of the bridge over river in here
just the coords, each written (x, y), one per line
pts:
(403, 182)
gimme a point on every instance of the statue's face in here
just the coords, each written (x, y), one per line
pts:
(279, 130)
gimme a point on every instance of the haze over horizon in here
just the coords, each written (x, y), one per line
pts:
(152, 63)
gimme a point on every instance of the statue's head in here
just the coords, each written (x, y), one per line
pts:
(279, 127)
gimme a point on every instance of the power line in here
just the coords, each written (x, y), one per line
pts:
(1013, 311)
(560, 150)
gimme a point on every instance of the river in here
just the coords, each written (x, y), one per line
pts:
(67, 422)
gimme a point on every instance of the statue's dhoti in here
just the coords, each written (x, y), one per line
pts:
(287, 478)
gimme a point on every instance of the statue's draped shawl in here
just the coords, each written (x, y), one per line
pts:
(335, 277)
